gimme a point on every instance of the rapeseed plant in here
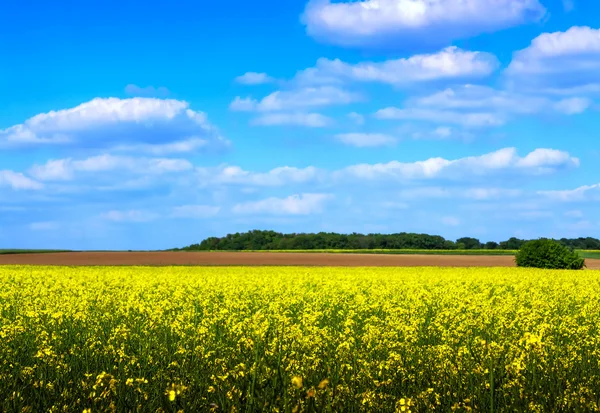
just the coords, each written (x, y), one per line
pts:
(283, 339)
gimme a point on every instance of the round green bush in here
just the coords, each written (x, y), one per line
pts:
(549, 254)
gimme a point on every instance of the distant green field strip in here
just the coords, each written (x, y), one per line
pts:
(389, 251)
(22, 251)
(593, 254)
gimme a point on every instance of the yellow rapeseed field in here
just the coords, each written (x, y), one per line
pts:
(291, 339)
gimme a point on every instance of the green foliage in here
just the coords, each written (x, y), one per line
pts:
(548, 254)
(470, 243)
(258, 240)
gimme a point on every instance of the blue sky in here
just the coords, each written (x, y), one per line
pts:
(143, 125)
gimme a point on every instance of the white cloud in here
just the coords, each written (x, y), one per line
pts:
(469, 119)
(195, 211)
(44, 226)
(275, 177)
(356, 118)
(184, 146)
(17, 180)
(129, 216)
(110, 122)
(148, 91)
(362, 140)
(476, 193)
(451, 221)
(254, 78)
(538, 161)
(243, 104)
(583, 193)
(312, 120)
(573, 106)
(575, 213)
(408, 24)
(65, 169)
(296, 99)
(474, 99)
(567, 60)
(450, 63)
(303, 204)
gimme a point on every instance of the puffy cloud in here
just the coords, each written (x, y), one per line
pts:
(296, 99)
(275, 177)
(65, 169)
(469, 119)
(582, 193)
(473, 99)
(311, 120)
(148, 91)
(450, 221)
(366, 139)
(254, 78)
(557, 61)
(129, 216)
(44, 226)
(450, 63)
(302, 204)
(17, 180)
(538, 161)
(573, 106)
(406, 24)
(356, 118)
(475, 193)
(112, 121)
(184, 146)
(195, 211)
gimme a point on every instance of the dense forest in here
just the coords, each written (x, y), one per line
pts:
(271, 240)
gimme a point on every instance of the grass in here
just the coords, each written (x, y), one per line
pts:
(29, 251)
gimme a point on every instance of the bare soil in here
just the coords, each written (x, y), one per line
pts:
(261, 258)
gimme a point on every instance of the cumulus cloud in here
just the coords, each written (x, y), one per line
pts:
(450, 221)
(148, 91)
(195, 211)
(44, 226)
(18, 181)
(408, 24)
(539, 161)
(500, 104)
(362, 140)
(475, 193)
(301, 204)
(275, 177)
(184, 146)
(103, 123)
(450, 63)
(356, 118)
(296, 99)
(311, 120)
(568, 60)
(573, 106)
(468, 119)
(582, 193)
(254, 78)
(65, 169)
(129, 216)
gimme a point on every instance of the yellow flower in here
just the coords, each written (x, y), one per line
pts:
(297, 381)
(172, 395)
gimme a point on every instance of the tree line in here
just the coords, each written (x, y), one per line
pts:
(271, 240)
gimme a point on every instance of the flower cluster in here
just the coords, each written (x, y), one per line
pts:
(295, 339)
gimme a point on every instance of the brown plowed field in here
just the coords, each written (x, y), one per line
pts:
(260, 258)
